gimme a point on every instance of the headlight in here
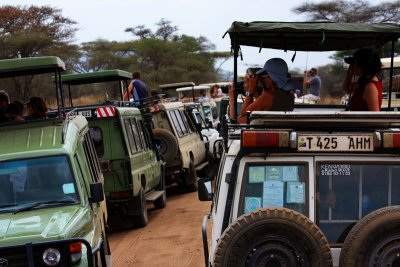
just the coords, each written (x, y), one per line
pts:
(51, 257)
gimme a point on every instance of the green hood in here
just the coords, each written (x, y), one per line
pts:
(43, 224)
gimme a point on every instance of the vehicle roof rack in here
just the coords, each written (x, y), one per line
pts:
(325, 119)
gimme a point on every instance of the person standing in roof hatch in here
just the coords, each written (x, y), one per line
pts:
(137, 90)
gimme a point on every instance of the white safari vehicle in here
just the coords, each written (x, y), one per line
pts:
(307, 188)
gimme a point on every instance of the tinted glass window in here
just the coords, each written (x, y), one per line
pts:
(136, 135)
(350, 191)
(38, 180)
(274, 185)
(175, 122)
(97, 137)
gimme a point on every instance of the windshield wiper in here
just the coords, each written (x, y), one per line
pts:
(40, 204)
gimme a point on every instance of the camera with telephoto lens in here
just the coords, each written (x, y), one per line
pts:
(349, 60)
(239, 89)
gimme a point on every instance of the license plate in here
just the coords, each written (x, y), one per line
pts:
(335, 142)
(85, 113)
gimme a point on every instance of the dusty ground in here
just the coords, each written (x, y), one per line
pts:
(171, 239)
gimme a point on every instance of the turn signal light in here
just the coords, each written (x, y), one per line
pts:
(120, 194)
(259, 139)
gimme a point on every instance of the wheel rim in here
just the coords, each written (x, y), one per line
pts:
(272, 253)
(387, 253)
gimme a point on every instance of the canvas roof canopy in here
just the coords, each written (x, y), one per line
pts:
(30, 66)
(311, 36)
(96, 77)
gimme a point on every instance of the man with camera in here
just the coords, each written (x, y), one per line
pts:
(313, 82)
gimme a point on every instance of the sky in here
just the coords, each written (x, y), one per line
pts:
(107, 19)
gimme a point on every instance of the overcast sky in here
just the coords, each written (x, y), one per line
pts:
(107, 19)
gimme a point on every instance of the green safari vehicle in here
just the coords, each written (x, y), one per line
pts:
(132, 167)
(52, 208)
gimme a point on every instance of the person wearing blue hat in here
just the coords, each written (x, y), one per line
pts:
(278, 91)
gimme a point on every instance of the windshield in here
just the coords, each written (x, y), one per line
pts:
(32, 181)
(276, 185)
(350, 191)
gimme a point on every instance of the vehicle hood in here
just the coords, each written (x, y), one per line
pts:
(41, 223)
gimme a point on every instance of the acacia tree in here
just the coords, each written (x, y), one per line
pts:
(165, 57)
(353, 12)
(33, 31)
(350, 11)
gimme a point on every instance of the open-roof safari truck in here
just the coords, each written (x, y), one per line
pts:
(52, 208)
(133, 170)
(311, 187)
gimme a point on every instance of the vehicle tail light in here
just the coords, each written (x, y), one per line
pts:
(154, 108)
(120, 194)
(391, 140)
(258, 139)
(75, 249)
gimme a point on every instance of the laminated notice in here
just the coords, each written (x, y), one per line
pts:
(251, 203)
(273, 193)
(273, 173)
(289, 173)
(295, 192)
(256, 174)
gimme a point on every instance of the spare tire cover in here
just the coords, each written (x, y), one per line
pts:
(168, 145)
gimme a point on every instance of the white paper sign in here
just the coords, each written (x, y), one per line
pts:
(273, 193)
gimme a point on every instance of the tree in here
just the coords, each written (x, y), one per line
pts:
(33, 31)
(351, 11)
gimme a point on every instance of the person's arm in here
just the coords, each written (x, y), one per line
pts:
(263, 102)
(128, 92)
(371, 96)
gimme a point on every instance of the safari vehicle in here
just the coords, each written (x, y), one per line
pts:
(180, 142)
(307, 187)
(52, 208)
(208, 106)
(132, 168)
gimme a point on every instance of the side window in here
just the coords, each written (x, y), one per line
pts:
(81, 175)
(91, 157)
(180, 121)
(129, 132)
(97, 137)
(136, 135)
(143, 135)
(175, 122)
(183, 116)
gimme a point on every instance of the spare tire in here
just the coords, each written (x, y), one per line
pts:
(374, 240)
(167, 143)
(273, 237)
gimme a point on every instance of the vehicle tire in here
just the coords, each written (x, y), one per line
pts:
(141, 219)
(167, 142)
(161, 202)
(273, 237)
(190, 177)
(374, 240)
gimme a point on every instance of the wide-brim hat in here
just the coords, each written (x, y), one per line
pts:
(277, 70)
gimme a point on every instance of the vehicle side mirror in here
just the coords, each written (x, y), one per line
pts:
(96, 192)
(205, 189)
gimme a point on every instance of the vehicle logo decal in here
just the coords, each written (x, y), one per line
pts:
(3, 262)
(105, 112)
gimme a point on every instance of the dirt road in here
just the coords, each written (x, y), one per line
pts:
(171, 239)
